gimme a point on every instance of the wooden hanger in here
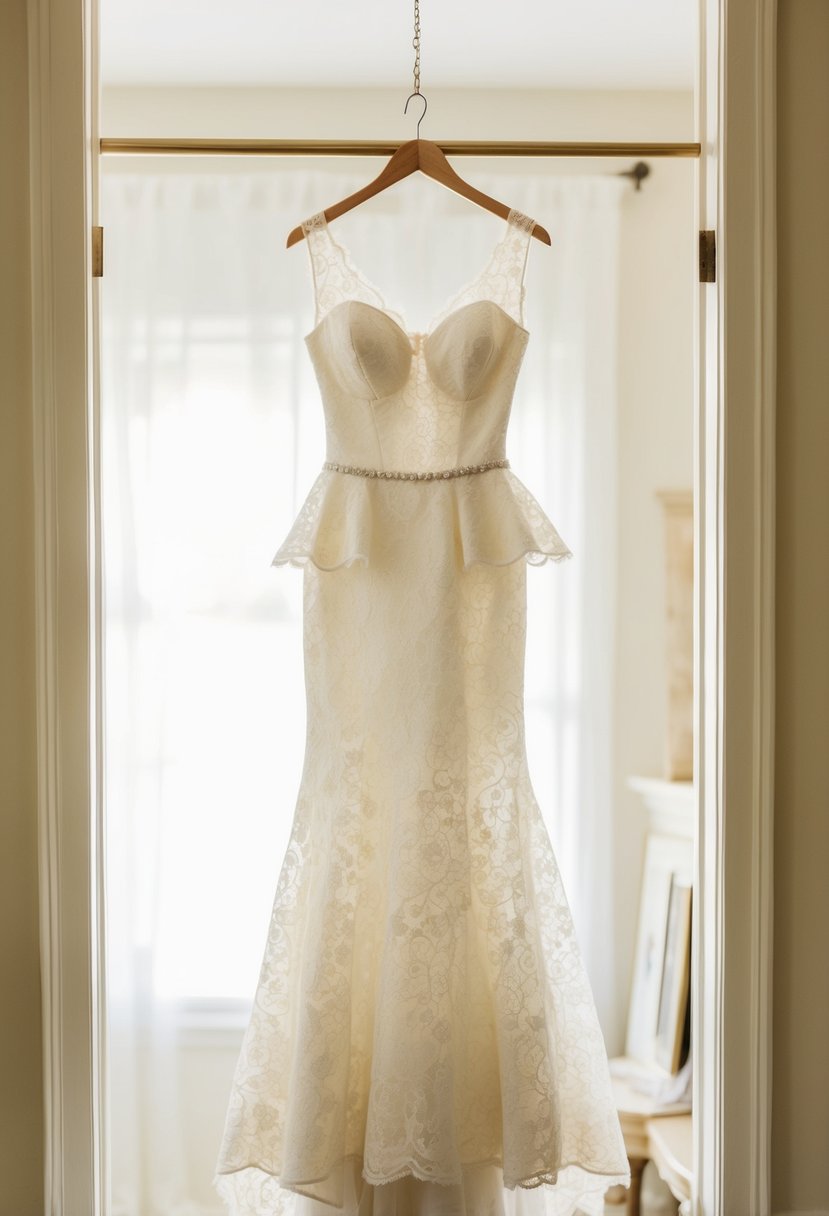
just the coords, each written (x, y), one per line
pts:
(426, 156)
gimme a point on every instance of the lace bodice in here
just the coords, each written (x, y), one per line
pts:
(398, 398)
(405, 402)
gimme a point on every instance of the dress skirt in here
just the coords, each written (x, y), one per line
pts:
(424, 1040)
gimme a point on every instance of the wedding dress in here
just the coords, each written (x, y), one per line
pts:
(424, 1040)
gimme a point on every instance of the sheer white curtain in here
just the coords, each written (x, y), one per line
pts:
(212, 434)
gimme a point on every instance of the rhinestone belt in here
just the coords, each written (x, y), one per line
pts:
(461, 471)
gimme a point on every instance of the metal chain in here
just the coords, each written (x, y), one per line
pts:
(416, 45)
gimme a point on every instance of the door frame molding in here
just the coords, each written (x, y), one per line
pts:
(63, 133)
(734, 475)
(734, 483)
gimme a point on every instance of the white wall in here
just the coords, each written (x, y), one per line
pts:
(259, 113)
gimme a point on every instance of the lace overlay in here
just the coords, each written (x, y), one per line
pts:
(502, 280)
(423, 1040)
(336, 278)
(334, 275)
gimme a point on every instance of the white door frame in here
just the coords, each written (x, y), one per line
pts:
(63, 114)
(734, 478)
(734, 606)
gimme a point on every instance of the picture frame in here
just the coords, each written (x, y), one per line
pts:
(668, 866)
(671, 1044)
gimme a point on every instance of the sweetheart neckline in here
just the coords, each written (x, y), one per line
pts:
(423, 335)
(397, 318)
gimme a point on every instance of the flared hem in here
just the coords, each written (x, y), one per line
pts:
(567, 1189)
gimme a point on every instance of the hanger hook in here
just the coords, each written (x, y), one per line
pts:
(417, 93)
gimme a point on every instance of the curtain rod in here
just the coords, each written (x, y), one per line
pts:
(337, 147)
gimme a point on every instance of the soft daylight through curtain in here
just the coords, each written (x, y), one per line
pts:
(212, 434)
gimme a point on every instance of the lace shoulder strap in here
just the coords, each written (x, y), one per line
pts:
(334, 276)
(502, 278)
(505, 275)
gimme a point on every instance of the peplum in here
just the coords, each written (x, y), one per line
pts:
(423, 1039)
(492, 518)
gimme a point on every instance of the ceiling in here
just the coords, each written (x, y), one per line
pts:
(592, 44)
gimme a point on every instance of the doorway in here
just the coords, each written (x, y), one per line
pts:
(716, 795)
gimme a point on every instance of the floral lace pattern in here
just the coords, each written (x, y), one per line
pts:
(423, 1040)
(501, 280)
(335, 278)
(422, 1007)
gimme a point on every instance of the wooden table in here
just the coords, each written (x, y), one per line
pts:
(661, 1134)
(671, 1143)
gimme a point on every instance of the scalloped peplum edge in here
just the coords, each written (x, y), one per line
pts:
(495, 519)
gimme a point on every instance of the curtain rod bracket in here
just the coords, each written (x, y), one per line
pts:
(637, 174)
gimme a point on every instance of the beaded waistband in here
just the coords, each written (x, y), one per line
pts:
(461, 471)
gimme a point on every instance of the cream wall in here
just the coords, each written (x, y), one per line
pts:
(314, 113)
(800, 1134)
(21, 1149)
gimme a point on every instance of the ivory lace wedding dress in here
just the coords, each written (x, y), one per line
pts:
(424, 1040)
